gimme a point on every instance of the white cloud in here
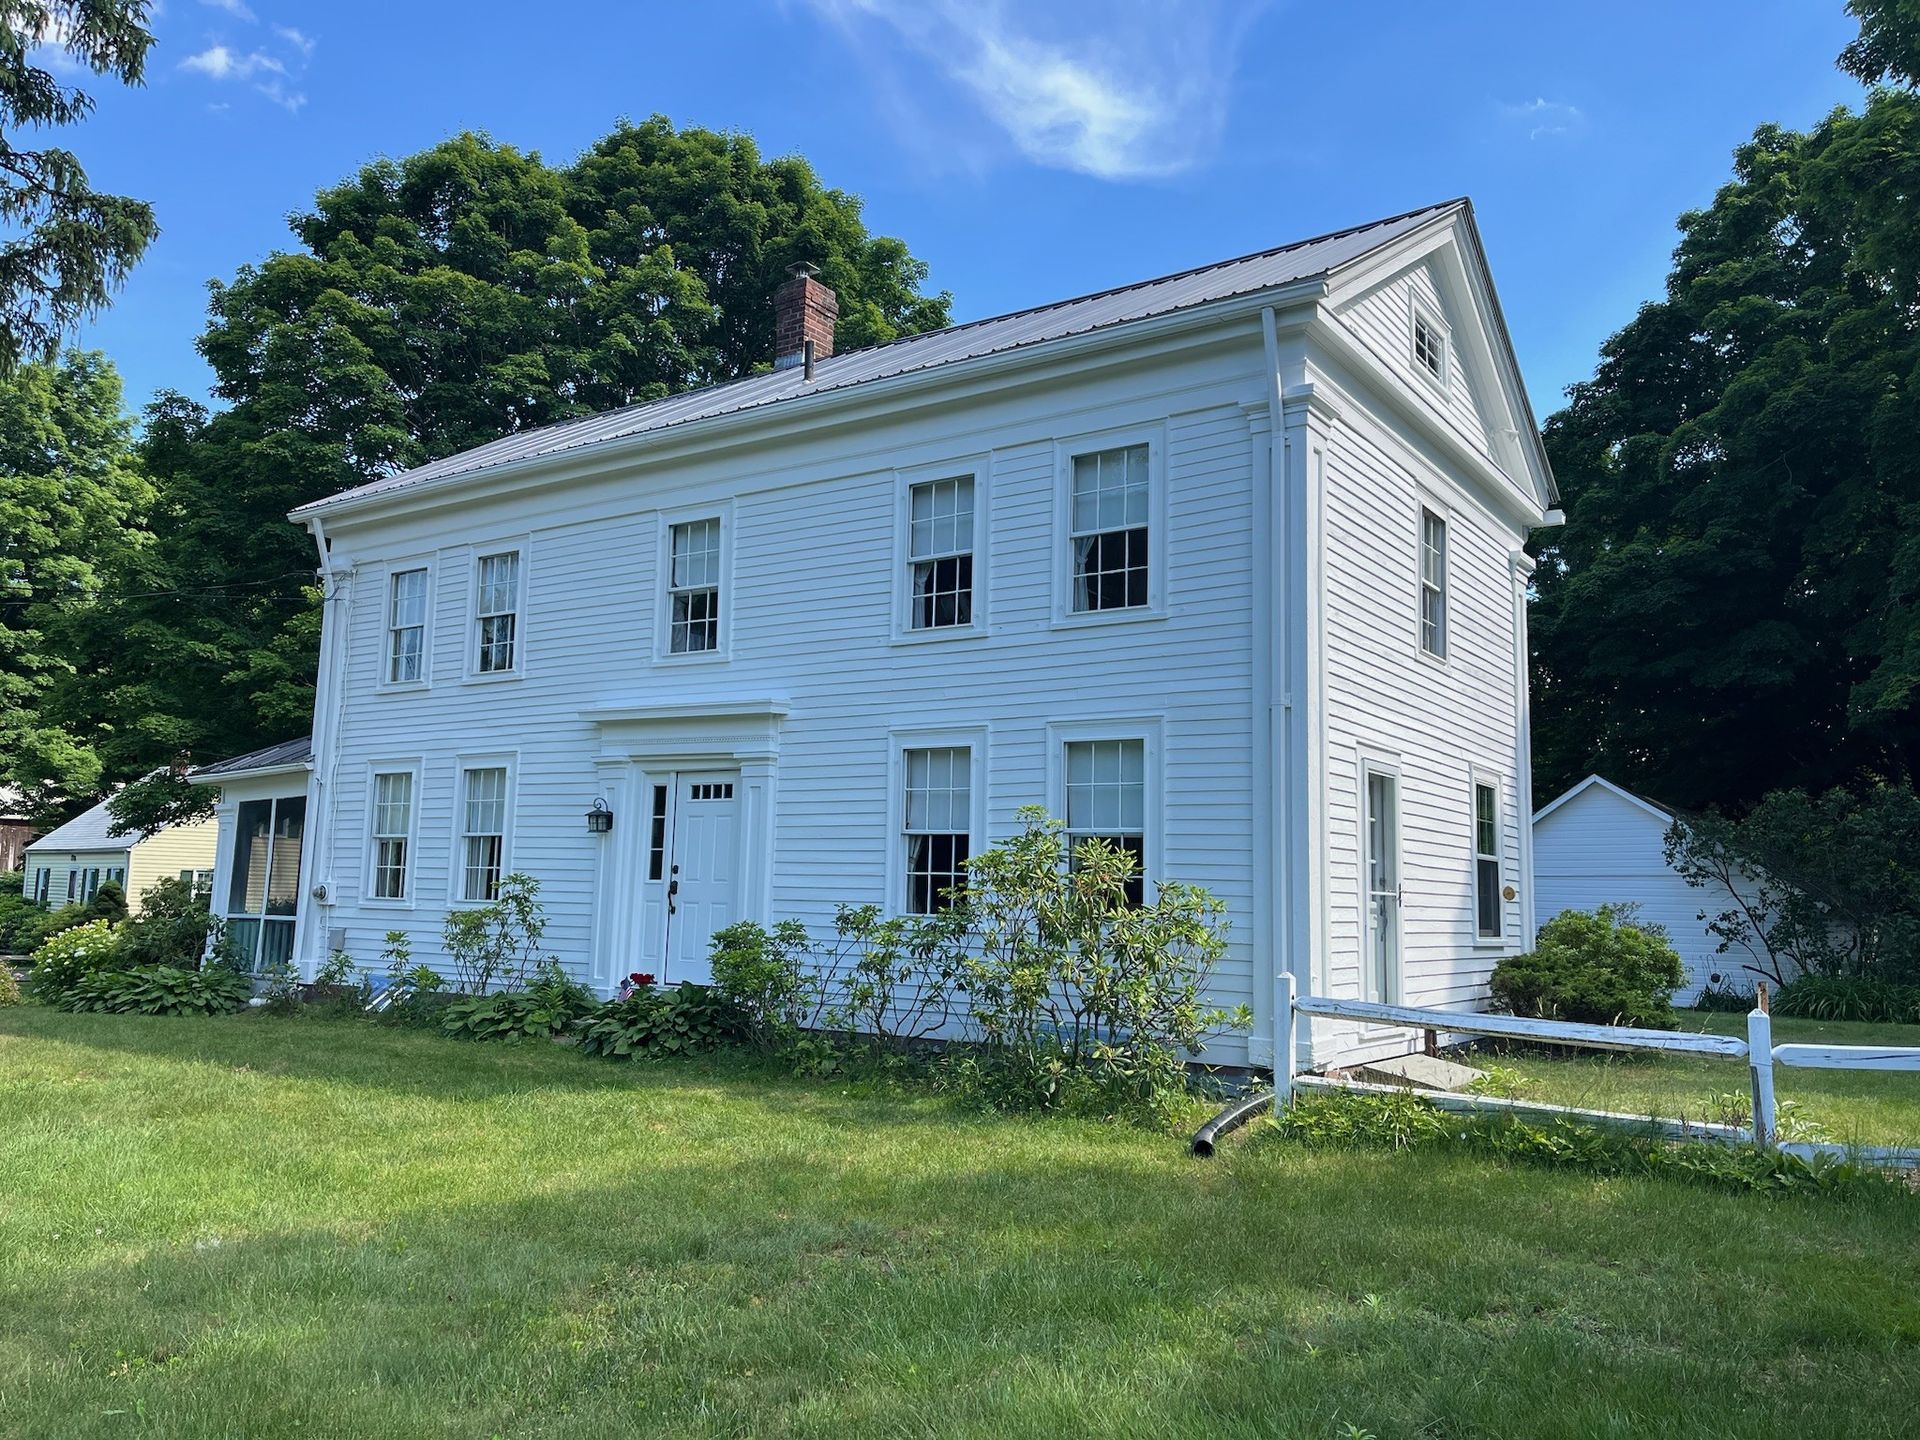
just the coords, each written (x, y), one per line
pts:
(301, 42)
(267, 74)
(235, 8)
(1545, 119)
(1133, 89)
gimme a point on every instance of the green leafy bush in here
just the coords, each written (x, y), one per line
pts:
(1849, 997)
(159, 990)
(109, 902)
(1592, 969)
(66, 957)
(1403, 1121)
(43, 925)
(1721, 994)
(172, 928)
(682, 1020)
(497, 945)
(546, 1007)
(17, 913)
(766, 975)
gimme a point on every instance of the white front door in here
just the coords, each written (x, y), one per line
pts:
(1382, 887)
(703, 872)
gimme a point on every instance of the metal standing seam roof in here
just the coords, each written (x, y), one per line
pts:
(282, 756)
(1226, 279)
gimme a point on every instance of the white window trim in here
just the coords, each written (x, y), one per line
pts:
(1369, 763)
(1154, 437)
(721, 510)
(1426, 501)
(1477, 777)
(1418, 312)
(977, 739)
(475, 554)
(977, 468)
(508, 760)
(1145, 728)
(414, 766)
(401, 567)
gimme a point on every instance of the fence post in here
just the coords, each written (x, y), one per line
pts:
(1283, 1058)
(1760, 1067)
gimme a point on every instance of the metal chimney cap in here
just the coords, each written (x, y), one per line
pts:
(803, 270)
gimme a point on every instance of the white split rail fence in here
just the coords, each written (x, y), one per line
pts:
(1757, 1049)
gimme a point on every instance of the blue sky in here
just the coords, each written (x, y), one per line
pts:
(1028, 152)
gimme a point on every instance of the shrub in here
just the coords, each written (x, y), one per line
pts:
(1076, 997)
(159, 990)
(17, 914)
(1592, 969)
(1721, 994)
(547, 1007)
(683, 1020)
(1403, 1121)
(43, 925)
(763, 973)
(172, 928)
(109, 902)
(9, 988)
(497, 943)
(1849, 997)
(893, 980)
(69, 955)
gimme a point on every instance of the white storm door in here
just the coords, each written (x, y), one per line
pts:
(1382, 884)
(703, 872)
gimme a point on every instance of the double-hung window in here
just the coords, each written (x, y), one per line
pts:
(407, 627)
(392, 833)
(1111, 499)
(940, 553)
(497, 613)
(693, 588)
(1487, 900)
(937, 825)
(1429, 347)
(1433, 584)
(1106, 795)
(483, 833)
(42, 879)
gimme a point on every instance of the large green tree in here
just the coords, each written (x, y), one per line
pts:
(437, 302)
(72, 500)
(1734, 603)
(65, 245)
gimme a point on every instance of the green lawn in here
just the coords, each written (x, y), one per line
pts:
(1855, 1106)
(251, 1227)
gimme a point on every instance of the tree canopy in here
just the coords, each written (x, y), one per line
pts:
(1734, 603)
(434, 303)
(67, 246)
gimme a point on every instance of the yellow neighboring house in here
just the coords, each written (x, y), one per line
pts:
(66, 866)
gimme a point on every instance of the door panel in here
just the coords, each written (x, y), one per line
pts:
(1382, 877)
(703, 872)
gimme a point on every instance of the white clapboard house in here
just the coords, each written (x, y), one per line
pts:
(1225, 566)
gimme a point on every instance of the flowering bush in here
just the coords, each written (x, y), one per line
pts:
(64, 959)
(9, 988)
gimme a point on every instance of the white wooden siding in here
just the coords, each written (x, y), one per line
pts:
(1600, 848)
(1383, 319)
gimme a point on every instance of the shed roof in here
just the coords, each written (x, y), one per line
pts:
(90, 830)
(1249, 274)
(286, 755)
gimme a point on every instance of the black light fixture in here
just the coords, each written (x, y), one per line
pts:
(599, 819)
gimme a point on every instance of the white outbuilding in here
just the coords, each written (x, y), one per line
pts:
(1599, 844)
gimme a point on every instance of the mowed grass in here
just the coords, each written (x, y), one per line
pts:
(1862, 1107)
(252, 1227)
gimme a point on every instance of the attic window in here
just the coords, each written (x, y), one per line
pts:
(1430, 347)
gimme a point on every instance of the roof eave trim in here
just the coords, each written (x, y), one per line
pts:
(298, 767)
(830, 404)
(1587, 784)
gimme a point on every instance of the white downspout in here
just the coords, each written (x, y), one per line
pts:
(326, 750)
(1278, 703)
(1523, 567)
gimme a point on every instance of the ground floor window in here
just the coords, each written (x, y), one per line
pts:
(1106, 795)
(1488, 909)
(263, 888)
(937, 826)
(484, 831)
(42, 880)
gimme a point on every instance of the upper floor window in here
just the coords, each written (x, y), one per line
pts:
(497, 612)
(1488, 907)
(1429, 347)
(1106, 795)
(940, 553)
(483, 831)
(1433, 584)
(392, 833)
(1111, 499)
(693, 588)
(937, 826)
(406, 626)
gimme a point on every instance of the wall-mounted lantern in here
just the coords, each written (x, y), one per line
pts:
(599, 819)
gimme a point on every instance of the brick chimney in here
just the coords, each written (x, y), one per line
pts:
(803, 310)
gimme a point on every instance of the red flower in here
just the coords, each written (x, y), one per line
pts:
(641, 979)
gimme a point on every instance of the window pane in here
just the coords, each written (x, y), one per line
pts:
(1106, 788)
(696, 553)
(1487, 888)
(942, 518)
(939, 784)
(409, 598)
(499, 583)
(1110, 490)
(936, 872)
(943, 592)
(289, 829)
(247, 889)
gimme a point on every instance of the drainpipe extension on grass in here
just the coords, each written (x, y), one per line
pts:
(1229, 1119)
